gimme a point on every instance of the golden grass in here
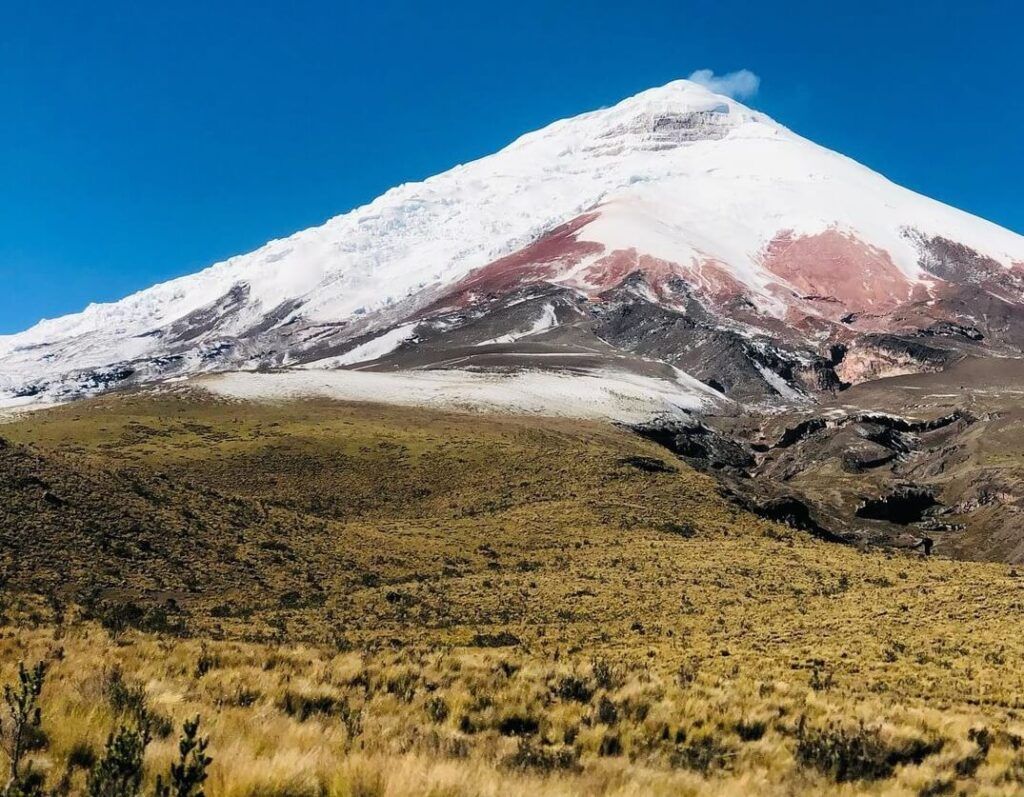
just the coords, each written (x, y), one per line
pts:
(667, 723)
(654, 639)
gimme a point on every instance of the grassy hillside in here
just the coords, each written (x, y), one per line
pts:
(372, 600)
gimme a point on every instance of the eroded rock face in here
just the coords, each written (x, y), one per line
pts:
(665, 130)
(867, 456)
(948, 329)
(881, 356)
(794, 434)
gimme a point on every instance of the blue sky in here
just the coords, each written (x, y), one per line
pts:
(142, 141)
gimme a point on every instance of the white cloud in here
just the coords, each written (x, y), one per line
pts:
(740, 84)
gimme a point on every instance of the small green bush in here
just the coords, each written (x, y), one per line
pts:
(437, 710)
(119, 772)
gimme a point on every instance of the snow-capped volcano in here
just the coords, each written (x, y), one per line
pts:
(676, 230)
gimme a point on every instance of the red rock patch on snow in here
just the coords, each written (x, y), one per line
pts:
(709, 277)
(545, 259)
(714, 279)
(555, 257)
(836, 270)
(608, 271)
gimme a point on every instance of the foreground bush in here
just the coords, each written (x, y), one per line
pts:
(119, 771)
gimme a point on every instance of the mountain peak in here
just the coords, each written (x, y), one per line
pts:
(702, 210)
(659, 118)
(681, 94)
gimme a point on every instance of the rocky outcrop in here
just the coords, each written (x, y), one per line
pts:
(790, 511)
(958, 263)
(904, 505)
(698, 444)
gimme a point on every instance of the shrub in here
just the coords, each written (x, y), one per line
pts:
(402, 685)
(81, 756)
(531, 756)
(937, 788)
(30, 784)
(860, 753)
(610, 745)
(303, 706)
(502, 639)
(702, 754)
(684, 530)
(206, 662)
(352, 719)
(119, 772)
(290, 600)
(572, 687)
(243, 697)
(982, 738)
(22, 724)
(518, 725)
(607, 711)
(118, 617)
(437, 709)
(36, 739)
(125, 697)
(821, 678)
(605, 674)
(687, 673)
(128, 699)
(188, 774)
(751, 731)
